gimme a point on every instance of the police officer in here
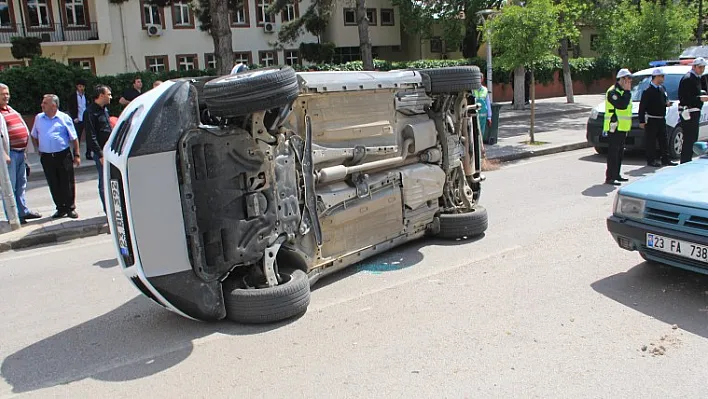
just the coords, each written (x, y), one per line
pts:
(618, 122)
(690, 104)
(652, 118)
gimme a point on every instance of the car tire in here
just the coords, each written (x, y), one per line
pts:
(454, 79)
(601, 150)
(460, 225)
(267, 305)
(676, 143)
(251, 91)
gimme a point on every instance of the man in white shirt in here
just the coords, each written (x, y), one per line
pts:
(77, 106)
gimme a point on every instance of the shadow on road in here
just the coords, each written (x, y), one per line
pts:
(107, 263)
(669, 294)
(115, 347)
(599, 190)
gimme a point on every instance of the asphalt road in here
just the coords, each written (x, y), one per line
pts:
(544, 305)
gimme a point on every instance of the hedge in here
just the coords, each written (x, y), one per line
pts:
(43, 75)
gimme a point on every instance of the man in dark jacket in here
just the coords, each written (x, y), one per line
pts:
(690, 104)
(652, 118)
(77, 104)
(98, 130)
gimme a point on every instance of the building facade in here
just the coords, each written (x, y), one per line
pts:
(133, 36)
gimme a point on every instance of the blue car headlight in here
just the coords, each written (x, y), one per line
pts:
(629, 207)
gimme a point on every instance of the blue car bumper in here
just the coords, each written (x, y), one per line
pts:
(631, 235)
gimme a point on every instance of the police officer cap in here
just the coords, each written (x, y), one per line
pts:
(657, 72)
(623, 72)
(700, 61)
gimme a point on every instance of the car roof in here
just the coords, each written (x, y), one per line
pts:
(671, 70)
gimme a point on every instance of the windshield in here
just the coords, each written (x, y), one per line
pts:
(641, 82)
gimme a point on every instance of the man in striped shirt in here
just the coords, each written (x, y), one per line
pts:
(15, 135)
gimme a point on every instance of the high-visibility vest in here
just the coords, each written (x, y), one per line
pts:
(480, 96)
(624, 116)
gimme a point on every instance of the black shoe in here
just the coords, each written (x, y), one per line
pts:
(23, 221)
(73, 215)
(668, 163)
(58, 214)
(612, 182)
(621, 179)
(654, 164)
(32, 215)
(89, 156)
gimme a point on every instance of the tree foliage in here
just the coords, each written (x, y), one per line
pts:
(313, 20)
(524, 35)
(649, 30)
(25, 47)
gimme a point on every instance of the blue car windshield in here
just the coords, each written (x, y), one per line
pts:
(640, 83)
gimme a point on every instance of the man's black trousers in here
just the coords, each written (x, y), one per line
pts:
(59, 171)
(690, 135)
(655, 129)
(615, 154)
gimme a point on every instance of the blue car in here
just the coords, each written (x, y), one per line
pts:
(665, 216)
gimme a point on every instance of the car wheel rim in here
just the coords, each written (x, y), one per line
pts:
(678, 142)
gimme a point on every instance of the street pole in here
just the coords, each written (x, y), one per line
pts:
(8, 195)
(489, 65)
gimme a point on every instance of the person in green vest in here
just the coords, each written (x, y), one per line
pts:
(481, 96)
(618, 122)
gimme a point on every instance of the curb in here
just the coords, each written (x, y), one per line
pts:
(54, 237)
(515, 118)
(541, 152)
(98, 229)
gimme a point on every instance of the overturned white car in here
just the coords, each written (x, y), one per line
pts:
(228, 199)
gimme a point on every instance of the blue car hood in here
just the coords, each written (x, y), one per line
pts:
(684, 185)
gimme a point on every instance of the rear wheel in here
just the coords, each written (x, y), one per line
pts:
(601, 150)
(676, 143)
(252, 91)
(247, 304)
(454, 79)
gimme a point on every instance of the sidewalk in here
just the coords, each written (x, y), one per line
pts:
(559, 127)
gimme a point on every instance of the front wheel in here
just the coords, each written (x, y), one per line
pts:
(676, 143)
(460, 225)
(601, 150)
(267, 305)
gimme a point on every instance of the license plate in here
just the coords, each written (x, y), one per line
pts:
(678, 247)
(118, 217)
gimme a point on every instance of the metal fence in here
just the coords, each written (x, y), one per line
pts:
(50, 33)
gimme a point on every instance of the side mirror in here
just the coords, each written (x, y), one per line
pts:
(700, 148)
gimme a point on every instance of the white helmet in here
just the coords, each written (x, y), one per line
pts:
(623, 72)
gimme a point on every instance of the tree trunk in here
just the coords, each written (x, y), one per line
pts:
(470, 45)
(221, 35)
(364, 43)
(519, 86)
(532, 139)
(567, 79)
(699, 32)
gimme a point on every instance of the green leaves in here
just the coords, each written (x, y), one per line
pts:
(524, 35)
(640, 32)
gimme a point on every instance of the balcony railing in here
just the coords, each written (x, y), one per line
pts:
(50, 33)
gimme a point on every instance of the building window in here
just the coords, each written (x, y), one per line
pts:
(349, 16)
(210, 60)
(267, 58)
(290, 12)
(84, 63)
(182, 15)
(243, 57)
(152, 15)
(39, 13)
(594, 41)
(240, 16)
(8, 65)
(387, 18)
(187, 62)
(7, 18)
(371, 16)
(345, 54)
(291, 57)
(157, 63)
(436, 45)
(261, 16)
(75, 13)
